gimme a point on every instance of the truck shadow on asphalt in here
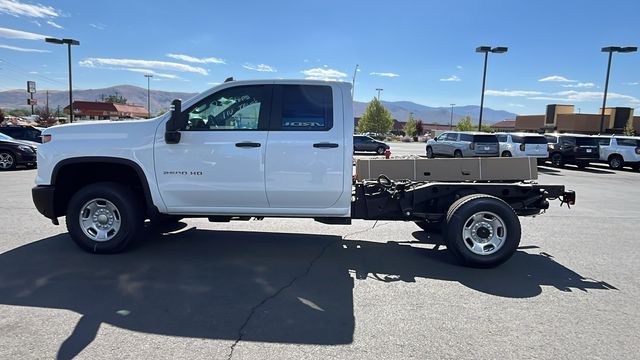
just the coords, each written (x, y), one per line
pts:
(246, 286)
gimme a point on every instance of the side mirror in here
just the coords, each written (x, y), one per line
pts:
(435, 139)
(175, 124)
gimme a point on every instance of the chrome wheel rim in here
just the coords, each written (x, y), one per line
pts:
(484, 233)
(616, 163)
(100, 220)
(380, 150)
(6, 160)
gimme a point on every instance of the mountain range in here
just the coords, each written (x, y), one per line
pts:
(160, 100)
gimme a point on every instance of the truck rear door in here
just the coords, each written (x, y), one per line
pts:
(306, 145)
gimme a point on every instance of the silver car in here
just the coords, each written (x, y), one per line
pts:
(463, 144)
(620, 151)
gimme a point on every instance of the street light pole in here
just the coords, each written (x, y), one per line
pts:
(379, 90)
(486, 50)
(353, 82)
(148, 76)
(451, 121)
(69, 42)
(611, 50)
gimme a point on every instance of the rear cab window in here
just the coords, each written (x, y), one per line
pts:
(485, 139)
(466, 137)
(303, 108)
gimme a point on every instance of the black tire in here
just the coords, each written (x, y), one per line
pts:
(616, 162)
(506, 154)
(430, 227)
(380, 150)
(457, 154)
(541, 161)
(430, 152)
(8, 160)
(459, 217)
(557, 160)
(130, 213)
(635, 167)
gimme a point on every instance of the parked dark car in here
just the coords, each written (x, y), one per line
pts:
(366, 143)
(22, 132)
(15, 152)
(579, 150)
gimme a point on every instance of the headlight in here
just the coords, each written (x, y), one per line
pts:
(26, 149)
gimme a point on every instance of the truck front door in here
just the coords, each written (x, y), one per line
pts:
(218, 165)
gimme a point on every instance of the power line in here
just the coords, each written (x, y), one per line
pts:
(20, 69)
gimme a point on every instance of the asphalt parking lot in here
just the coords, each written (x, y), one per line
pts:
(297, 289)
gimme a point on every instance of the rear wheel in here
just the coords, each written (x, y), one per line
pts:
(430, 152)
(506, 154)
(616, 162)
(7, 160)
(557, 160)
(482, 231)
(457, 154)
(635, 166)
(104, 218)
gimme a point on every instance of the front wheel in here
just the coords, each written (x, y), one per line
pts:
(557, 160)
(457, 154)
(380, 150)
(429, 152)
(482, 231)
(7, 160)
(104, 218)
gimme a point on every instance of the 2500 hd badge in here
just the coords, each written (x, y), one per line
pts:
(187, 173)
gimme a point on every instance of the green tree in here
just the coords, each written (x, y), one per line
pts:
(19, 112)
(115, 98)
(1, 116)
(465, 124)
(410, 126)
(629, 130)
(486, 128)
(375, 119)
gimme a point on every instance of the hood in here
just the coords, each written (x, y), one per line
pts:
(20, 142)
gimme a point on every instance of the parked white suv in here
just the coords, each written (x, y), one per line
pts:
(523, 145)
(620, 151)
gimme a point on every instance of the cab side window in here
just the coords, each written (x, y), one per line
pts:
(442, 137)
(452, 137)
(303, 108)
(236, 108)
(604, 141)
(502, 138)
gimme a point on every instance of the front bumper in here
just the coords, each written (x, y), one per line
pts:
(25, 158)
(43, 199)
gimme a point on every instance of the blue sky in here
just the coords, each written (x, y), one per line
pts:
(421, 51)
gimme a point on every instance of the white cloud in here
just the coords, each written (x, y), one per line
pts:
(33, 72)
(259, 67)
(583, 96)
(213, 83)
(142, 64)
(512, 93)
(16, 48)
(151, 72)
(36, 22)
(386, 74)
(580, 85)
(191, 59)
(324, 74)
(459, 67)
(516, 105)
(556, 78)
(17, 9)
(18, 34)
(451, 78)
(632, 83)
(98, 26)
(50, 22)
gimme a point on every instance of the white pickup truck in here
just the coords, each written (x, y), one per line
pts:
(255, 149)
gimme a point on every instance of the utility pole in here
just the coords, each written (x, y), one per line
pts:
(611, 50)
(353, 82)
(148, 76)
(451, 121)
(47, 102)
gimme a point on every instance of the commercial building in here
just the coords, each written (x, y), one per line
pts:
(96, 110)
(563, 118)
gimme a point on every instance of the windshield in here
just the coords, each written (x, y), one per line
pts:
(584, 141)
(5, 137)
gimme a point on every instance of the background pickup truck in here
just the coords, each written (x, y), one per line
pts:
(257, 149)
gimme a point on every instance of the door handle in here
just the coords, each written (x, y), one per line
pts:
(325, 145)
(248, 144)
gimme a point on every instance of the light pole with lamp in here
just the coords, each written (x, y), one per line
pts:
(69, 42)
(611, 50)
(486, 50)
(379, 90)
(148, 76)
